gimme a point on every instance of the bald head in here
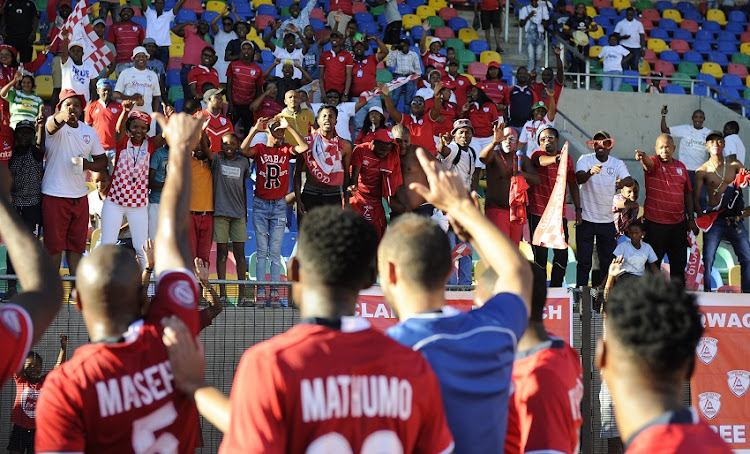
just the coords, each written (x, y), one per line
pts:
(665, 148)
(108, 284)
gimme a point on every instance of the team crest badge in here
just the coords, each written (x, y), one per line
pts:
(252, 71)
(710, 404)
(341, 58)
(738, 381)
(368, 212)
(365, 162)
(223, 121)
(707, 349)
(182, 292)
(135, 29)
(87, 139)
(114, 110)
(610, 171)
(679, 172)
(486, 109)
(12, 322)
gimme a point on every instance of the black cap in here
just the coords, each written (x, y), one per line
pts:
(26, 124)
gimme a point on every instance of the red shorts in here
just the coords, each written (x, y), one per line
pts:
(501, 218)
(65, 222)
(372, 211)
(201, 234)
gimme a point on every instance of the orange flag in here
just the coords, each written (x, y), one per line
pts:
(549, 232)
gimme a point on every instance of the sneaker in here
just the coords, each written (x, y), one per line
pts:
(499, 50)
(260, 301)
(244, 302)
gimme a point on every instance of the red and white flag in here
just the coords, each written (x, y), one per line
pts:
(549, 232)
(81, 31)
(395, 83)
(694, 270)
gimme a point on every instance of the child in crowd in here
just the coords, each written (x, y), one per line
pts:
(636, 253)
(28, 384)
(625, 207)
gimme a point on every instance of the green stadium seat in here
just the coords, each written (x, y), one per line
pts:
(455, 43)
(435, 22)
(383, 75)
(175, 93)
(465, 57)
(680, 75)
(689, 68)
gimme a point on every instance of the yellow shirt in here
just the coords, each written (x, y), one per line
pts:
(202, 190)
(301, 121)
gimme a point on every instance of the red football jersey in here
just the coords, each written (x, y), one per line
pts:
(16, 331)
(24, 408)
(120, 397)
(318, 389)
(217, 126)
(544, 412)
(272, 174)
(678, 438)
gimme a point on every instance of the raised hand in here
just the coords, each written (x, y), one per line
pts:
(616, 267)
(664, 110)
(383, 88)
(283, 123)
(201, 270)
(446, 191)
(182, 131)
(148, 252)
(498, 132)
(426, 26)
(639, 155)
(63, 341)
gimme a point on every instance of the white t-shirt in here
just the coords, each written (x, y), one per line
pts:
(692, 149)
(598, 191)
(346, 112)
(635, 259)
(221, 40)
(633, 29)
(157, 27)
(61, 178)
(145, 82)
(542, 14)
(733, 146)
(465, 165)
(78, 77)
(613, 56)
(528, 133)
(283, 55)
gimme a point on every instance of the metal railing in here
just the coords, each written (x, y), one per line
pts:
(566, 120)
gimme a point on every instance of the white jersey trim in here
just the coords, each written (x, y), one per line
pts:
(449, 449)
(437, 337)
(29, 326)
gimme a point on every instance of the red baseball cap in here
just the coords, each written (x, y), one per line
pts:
(384, 135)
(143, 116)
(68, 93)
(10, 49)
(493, 64)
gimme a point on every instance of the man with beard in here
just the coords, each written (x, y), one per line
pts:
(325, 165)
(600, 176)
(502, 169)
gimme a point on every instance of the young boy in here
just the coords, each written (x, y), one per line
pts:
(625, 208)
(28, 384)
(636, 253)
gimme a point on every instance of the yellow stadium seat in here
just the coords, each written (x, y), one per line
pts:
(424, 11)
(672, 14)
(747, 81)
(259, 41)
(175, 39)
(471, 78)
(253, 32)
(598, 33)
(717, 15)
(176, 50)
(644, 68)
(620, 5)
(657, 45)
(95, 9)
(591, 11)
(735, 278)
(594, 51)
(113, 76)
(215, 5)
(745, 48)
(44, 87)
(489, 56)
(713, 69)
(526, 250)
(437, 5)
(257, 3)
(467, 35)
(410, 21)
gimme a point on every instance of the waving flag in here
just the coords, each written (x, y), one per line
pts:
(81, 31)
(549, 232)
(395, 83)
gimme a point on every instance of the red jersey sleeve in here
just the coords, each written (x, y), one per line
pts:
(349, 61)
(16, 332)
(36, 64)
(88, 118)
(257, 424)
(434, 437)
(358, 153)
(141, 33)
(176, 294)
(192, 76)
(506, 94)
(59, 424)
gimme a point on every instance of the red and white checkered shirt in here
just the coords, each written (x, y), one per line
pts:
(129, 186)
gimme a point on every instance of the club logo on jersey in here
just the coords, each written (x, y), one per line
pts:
(738, 381)
(365, 162)
(368, 212)
(223, 121)
(12, 321)
(679, 172)
(29, 397)
(486, 109)
(252, 71)
(87, 139)
(610, 171)
(710, 404)
(114, 110)
(182, 293)
(341, 59)
(707, 349)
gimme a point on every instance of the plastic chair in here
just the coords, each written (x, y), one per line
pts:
(679, 46)
(659, 33)
(657, 45)
(738, 17)
(712, 26)
(732, 81)
(383, 75)
(651, 15)
(689, 25)
(690, 69)
(630, 78)
(662, 5)
(735, 276)
(644, 67)
(737, 70)
(455, 43)
(175, 93)
(457, 23)
(664, 67)
(712, 69)
(185, 15)
(467, 35)
(425, 11)
(478, 46)
(594, 51)
(673, 89)
(718, 58)
(702, 47)
(620, 5)
(489, 56)
(435, 22)
(44, 86)
(478, 70)
(685, 83)
(263, 21)
(741, 59)
(682, 34)
(745, 48)
(173, 77)
(693, 57)
(670, 56)
(215, 6)
(650, 56)
(668, 24)
(726, 47)
(672, 14)
(444, 33)
(640, 5)
(717, 16)
(465, 57)
(708, 79)
(176, 50)
(410, 20)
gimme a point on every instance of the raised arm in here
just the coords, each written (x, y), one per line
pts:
(301, 142)
(42, 288)
(120, 132)
(560, 77)
(6, 89)
(552, 110)
(267, 40)
(392, 110)
(217, 18)
(664, 127)
(172, 246)
(423, 41)
(447, 193)
(245, 148)
(63, 355)
(179, 29)
(178, 7)
(64, 47)
(646, 162)
(382, 48)
(487, 155)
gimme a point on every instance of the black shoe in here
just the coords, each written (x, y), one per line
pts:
(499, 50)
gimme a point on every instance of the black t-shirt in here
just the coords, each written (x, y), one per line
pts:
(18, 17)
(579, 23)
(521, 100)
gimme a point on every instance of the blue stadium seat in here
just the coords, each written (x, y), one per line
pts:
(416, 33)
(719, 58)
(630, 77)
(478, 46)
(683, 34)
(724, 35)
(317, 24)
(707, 78)
(140, 20)
(730, 96)
(660, 33)
(693, 57)
(603, 41)
(608, 12)
(683, 7)
(728, 48)
(173, 77)
(700, 90)
(735, 27)
(670, 56)
(711, 26)
(705, 36)
(732, 81)
(457, 23)
(363, 18)
(178, 105)
(185, 15)
(667, 24)
(674, 89)
(693, 15)
(661, 5)
(507, 70)
(415, 3)
(738, 17)
(284, 3)
(267, 10)
(46, 69)
(702, 47)
(403, 9)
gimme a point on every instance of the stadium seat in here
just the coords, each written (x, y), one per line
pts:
(363, 17)
(640, 5)
(650, 56)
(741, 59)
(215, 6)
(318, 13)
(594, 51)
(745, 37)
(730, 96)
(489, 56)
(702, 47)
(670, 56)
(626, 88)
(718, 58)
(663, 5)
(708, 79)
(672, 14)
(712, 69)
(457, 23)
(737, 17)
(175, 93)
(447, 13)
(383, 75)
(435, 22)
(173, 77)
(700, 90)
(176, 50)
(651, 15)
(644, 67)
(465, 57)
(317, 24)
(591, 11)
(467, 35)
(673, 89)
(405, 9)
(732, 81)
(657, 45)
(660, 33)
(455, 43)
(682, 34)
(425, 11)
(478, 46)
(726, 48)
(647, 25)
(712, 26)
(685, 83)
(262, 22)
(410, 20)
(478, 70)
(437, 5)
(689, 25)
(357, 7)
(745, 48)
(679, 46)
(717, 16)
(688, 68)
(664, 67)
(724, 35)
(693, 57)
(630, 77)
(174, 63)
(444, 33)
(44, 87)
(185, 15)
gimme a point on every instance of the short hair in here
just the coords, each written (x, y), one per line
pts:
(330, 108)
(338, 248)
(400, 130)
(615, 36)
(210, 49)
(231, 134)
(630, 10)
(656, 322)
(638, 224)
(732, 126)
(33, 85)
(191, 106)
(421, 249)
(289, 36)
(698, 111)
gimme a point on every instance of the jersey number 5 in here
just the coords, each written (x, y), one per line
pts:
(144, 429)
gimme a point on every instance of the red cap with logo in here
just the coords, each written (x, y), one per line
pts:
(143, 116)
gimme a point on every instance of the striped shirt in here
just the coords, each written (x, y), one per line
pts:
(247, 81)
(23, 106)
(404, 64)
(126, 36)
(667, 185)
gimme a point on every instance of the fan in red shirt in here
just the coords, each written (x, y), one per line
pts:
(449, 111)
(244, 82)
(420, 123)
(550, 79)
(103, 113)
(431, 55)
(331, 383)
(336, 68)
(376, 173)
(462, 83)
(126, 35)
(7, 142)
(544, 412)
(203, 73)
(494, 87)
(117, 394)
(653, 327)
(218, 124)
(25, 318)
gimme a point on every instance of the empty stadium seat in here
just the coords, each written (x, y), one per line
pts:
(444, 33)
(670, 56)
(741, 59)
(703, 47)
(489, 56)
(467, 35)
(651, 15)
(689, 25)
(640, 5)
(650, 56)
(664, 67)
(478, 70)
(44, 87)
(674, 89)
(672, 14)
(455, 43)
(745, 48)
(738, 17)
(594, 51)
(662, 5)
(478, 46)
(410, 20)
(660, 33)
(657, 45)
(437, 5)
(620, 5)
(732, 81)
(262, 22)
(726, 48)
(435, 22)
(685, 81)
(679, 46)
(717, 16)
(185, 15)
(682, 34)
(173, 77)
(711, 26)
(457, 23)
(176, 50)
(465, 57)
(688, 68)
(357, 7)
(718, 58)
(383, 75)
(630, 77)
(447, 13)
(712, 69)
(693, 57)
(425, 11)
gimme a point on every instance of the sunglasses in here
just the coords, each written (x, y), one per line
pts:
(607, 144)
(547, 138)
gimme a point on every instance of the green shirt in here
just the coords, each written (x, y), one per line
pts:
(22, 106)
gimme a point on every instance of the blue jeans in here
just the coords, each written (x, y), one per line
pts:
(359, 117)
(408, 90)
(534, 48)
(269, 220)
(633, 62)
(606, 242)
(737, 237)
(612, 83)
(464, 264)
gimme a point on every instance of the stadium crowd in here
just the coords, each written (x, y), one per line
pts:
(323, 134)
